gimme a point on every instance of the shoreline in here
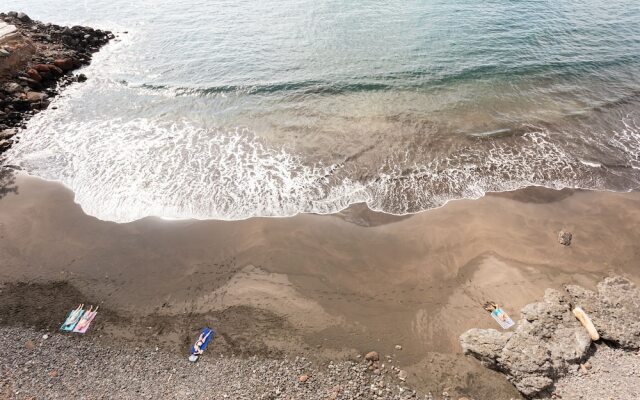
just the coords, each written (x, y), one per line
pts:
(316, 285)
(358, 213)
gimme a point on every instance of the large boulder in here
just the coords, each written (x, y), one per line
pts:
(546, 342)
(613, 309)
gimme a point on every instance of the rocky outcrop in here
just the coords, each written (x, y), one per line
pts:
(548, 340)
(37, 60)
(614, 310)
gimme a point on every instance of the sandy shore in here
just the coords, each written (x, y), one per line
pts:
(326, 287)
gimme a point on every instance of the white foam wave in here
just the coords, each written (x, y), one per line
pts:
(470, 172)
(123, 170)
(627, 140)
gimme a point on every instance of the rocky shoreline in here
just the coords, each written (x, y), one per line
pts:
(37, 60)
(549, 352)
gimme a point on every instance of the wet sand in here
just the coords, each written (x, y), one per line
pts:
(328, 287)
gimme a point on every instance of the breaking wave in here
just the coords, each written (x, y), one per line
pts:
(126, 170)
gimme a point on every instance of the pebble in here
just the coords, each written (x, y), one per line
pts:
(564, 238)
(402, 375)
(70, 368)
(372, 356)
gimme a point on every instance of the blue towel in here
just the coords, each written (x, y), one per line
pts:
(72, 320)
(203, 340)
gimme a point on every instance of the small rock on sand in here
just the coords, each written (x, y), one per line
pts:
(402, 375)
(564, 238)
(372, 356)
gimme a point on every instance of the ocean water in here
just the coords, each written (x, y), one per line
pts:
(232, 109)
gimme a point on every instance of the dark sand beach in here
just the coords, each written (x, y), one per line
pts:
(327, 287)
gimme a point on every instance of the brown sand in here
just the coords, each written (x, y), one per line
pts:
(327, 286)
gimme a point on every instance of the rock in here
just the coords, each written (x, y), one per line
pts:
(372, 356)
(5, 145)
(65, 64)
(549, 341)
(613, 309)
(32, 83)
(7, 134)
(81, 78)
(23, 17)
(33, 74)
(35, 96)
(402, 375)
(544, 343)
(13, 87)
(564, 238)
(485, 345)
(303, 378)
(41, 67)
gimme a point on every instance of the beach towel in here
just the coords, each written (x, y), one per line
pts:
(502, 318)
(72, 319)
(85, 321)
(201, 344)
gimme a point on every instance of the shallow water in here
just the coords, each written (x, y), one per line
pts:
(233, 109)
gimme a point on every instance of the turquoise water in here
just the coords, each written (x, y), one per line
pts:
(232, 109)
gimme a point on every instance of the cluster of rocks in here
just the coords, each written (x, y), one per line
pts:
(64, 366)
(377, 367)
(35, 63)
(548, 341)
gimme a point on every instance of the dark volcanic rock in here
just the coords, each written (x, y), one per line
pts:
(38, 62)
(64, 64)
(549, 341)
(23, 17)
